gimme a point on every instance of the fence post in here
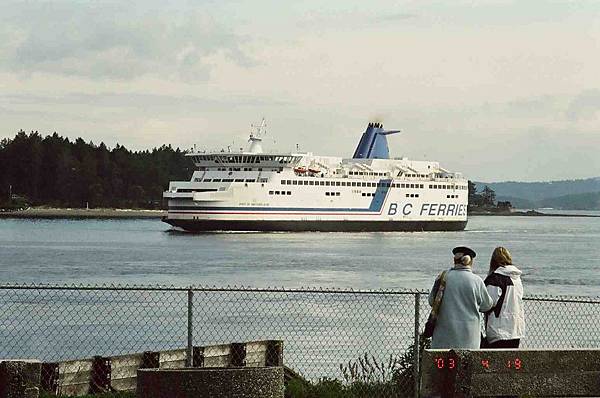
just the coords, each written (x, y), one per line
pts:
(190, 336)
(417, 351)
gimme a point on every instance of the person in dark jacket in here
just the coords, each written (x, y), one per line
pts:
(505, 322)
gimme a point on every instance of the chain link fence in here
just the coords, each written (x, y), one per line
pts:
(342, 343)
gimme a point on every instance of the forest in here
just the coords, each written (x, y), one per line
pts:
(58, 172)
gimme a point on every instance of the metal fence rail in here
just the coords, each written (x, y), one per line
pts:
(363, 339)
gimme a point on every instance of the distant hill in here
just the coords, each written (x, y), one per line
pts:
(582, 201)
(581, 194)
(537, 191)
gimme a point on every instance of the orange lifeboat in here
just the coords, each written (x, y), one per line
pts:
(300, 170)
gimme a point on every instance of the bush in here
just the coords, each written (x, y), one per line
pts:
(365, 377)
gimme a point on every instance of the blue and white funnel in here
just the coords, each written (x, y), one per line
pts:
(373, 143)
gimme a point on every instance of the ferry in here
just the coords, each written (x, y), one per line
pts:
(251, 190)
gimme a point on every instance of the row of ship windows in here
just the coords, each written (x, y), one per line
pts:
(451, 196)
(335, 183)
(369, 184)
(350, 184)
(280, 192)
(243, 159)
(232, 180)
(366, 173)
(241, 169)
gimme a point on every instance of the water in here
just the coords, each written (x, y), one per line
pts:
(558, 255)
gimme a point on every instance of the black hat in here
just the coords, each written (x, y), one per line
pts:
(464, 250)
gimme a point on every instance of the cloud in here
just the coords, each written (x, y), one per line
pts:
(113, 40)
(398, 17)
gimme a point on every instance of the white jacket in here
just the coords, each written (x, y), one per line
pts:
(506, 320)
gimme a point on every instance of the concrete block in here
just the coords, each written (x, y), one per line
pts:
(264, 382)
(20, 378)
(489, 373)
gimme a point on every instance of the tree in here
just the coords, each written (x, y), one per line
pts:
(488, 197)
(53, 170)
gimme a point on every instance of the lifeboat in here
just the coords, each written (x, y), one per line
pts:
(314, 170)
(300, 170)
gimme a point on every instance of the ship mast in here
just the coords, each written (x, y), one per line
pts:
(256, 133)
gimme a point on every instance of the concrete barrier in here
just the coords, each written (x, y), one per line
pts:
(20, 378)
(492, 373)
(119, 373)
(258, 382)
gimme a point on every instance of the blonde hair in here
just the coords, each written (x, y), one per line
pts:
(500, 257)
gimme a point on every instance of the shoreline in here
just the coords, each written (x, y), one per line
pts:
(73, 213)
(70, 213)
(529, 213)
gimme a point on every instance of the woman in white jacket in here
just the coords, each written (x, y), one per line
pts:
(505, 322)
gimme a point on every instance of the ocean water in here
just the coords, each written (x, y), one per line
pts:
(558, 255)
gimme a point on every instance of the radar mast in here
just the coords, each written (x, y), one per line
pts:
(256, 134)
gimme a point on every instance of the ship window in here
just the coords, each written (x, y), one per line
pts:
(337, 183)
(282, 182)
(364, 184)
(276, 192)
(322, 183)
(363, 194)
(270, 192)
(337, 194)
(326, 193)
(328, 183)
(198, 179)
(294, 182)
(289, 182)
(264, 180)
(289, 192)
(239, 180)
(250, 180)
(227, 180)
(312, 183)
(421, 186)
(217, 180)
(207, 180)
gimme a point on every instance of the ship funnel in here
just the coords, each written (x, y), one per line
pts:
(373, 143)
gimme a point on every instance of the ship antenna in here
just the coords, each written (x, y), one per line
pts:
(256, 134)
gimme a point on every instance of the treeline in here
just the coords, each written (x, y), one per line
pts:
(55, 171)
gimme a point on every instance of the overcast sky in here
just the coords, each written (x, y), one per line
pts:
(500, 90)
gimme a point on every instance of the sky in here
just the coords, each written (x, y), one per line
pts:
(496, 89)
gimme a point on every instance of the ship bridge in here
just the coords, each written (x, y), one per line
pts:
(244, 159)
